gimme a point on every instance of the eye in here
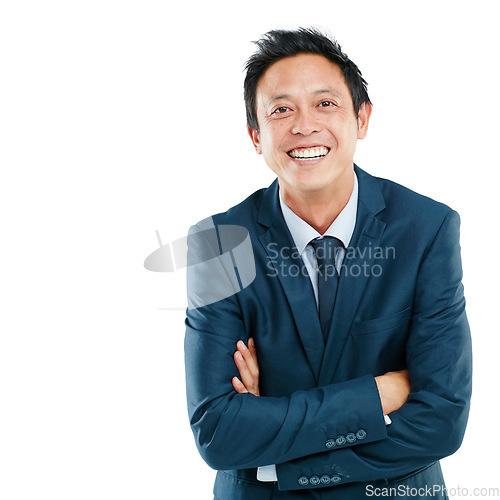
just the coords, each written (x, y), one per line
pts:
(280, 110)
(326, 104)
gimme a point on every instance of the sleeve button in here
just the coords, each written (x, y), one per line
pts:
(340, 440)
(330, 443)
(303, 481)
(351, 437)
(314, 480)
(336, 478)
(361, 434)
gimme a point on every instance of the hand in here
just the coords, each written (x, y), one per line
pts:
(246, 362)
(394, 388)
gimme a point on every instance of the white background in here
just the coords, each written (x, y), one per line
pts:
(120, 118)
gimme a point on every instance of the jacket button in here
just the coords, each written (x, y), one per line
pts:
(361, 434)
(351, 437)
(340, 440)
(314, 480)
(336, 478)
(330, 443)
(325, 479)
(303, 481)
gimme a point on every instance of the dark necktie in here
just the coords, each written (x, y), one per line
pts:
(326, 249)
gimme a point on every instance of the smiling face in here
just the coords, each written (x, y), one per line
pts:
(308, 129)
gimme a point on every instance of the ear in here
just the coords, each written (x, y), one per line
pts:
(254, 135)
(365, 111)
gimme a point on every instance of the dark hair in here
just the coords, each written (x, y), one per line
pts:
(278, 44)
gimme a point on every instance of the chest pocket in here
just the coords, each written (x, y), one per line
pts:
(384, 325)
(379, 344)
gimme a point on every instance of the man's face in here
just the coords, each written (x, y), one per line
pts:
(308, 129)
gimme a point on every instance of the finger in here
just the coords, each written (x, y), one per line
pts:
(251, 348)
(238, 386)
(245, 375)
(251, 361)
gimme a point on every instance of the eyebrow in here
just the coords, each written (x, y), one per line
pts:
(325, 90)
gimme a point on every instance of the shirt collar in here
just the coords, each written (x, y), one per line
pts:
(342, 227)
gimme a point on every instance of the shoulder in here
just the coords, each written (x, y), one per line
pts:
(410, 207)
(406, 213)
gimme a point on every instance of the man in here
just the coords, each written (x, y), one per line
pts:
(334, 357)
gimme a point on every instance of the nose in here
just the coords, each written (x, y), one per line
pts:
(305, 123)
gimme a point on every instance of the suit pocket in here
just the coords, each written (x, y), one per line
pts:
(384, 323)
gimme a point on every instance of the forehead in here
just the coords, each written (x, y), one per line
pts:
(300, 75)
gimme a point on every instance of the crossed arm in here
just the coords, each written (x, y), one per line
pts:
(393, 387)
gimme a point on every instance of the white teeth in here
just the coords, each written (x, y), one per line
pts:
(309, 152)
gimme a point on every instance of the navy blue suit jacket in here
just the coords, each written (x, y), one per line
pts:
(400, 304)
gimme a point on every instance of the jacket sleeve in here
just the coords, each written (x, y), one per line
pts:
(236, 431)
(431, 424)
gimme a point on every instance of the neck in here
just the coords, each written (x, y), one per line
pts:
(320, 208)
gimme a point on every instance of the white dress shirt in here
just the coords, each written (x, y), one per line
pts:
(302, 233)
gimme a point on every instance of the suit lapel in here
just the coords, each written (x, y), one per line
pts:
(356, 270)
(289, 269)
